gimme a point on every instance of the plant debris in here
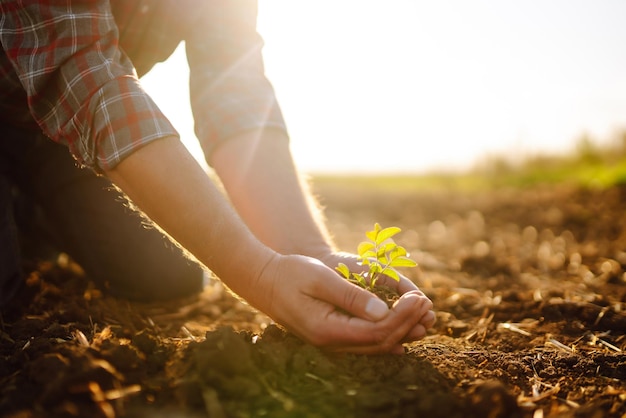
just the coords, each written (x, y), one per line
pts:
(528, 286)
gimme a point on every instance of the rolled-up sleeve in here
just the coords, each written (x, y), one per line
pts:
(229, 90)
(82, 90)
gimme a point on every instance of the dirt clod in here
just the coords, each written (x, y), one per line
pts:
(529, 288)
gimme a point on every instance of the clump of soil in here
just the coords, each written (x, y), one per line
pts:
(386, 294)
(529, 290)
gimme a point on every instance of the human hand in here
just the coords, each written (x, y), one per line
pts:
(315, 303)
(403, 287)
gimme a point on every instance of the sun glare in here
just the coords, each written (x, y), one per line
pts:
(409, 85)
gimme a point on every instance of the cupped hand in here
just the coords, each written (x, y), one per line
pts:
(404, 286)
(315, 303)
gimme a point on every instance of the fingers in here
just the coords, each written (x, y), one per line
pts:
(426, 321)
(417, 333)
(401, 325)
(351, 298)
(429, 319)
(410, 308)
(360, 302)
(335, 314)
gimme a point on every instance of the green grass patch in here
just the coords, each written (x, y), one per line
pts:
(587, 166)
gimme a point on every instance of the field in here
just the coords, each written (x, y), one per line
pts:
(529, 290)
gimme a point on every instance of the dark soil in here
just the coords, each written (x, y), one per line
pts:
(528, 285)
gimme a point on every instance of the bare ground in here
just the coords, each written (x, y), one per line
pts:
(528, 285)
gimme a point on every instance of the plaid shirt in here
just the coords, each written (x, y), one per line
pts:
(72, 68)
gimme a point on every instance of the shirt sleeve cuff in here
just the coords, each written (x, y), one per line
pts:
(119, 119)
(233, 106)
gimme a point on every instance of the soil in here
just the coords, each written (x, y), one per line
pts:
(529, 290)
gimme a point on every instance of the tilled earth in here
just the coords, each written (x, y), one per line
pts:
(529, 290)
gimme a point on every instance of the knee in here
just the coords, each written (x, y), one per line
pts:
(155, 282)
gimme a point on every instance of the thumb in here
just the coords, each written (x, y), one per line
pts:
(354, 299)
(375, 308)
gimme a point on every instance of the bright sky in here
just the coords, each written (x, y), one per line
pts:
(414, 85)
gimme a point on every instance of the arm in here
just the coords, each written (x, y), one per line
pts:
(296, 291)
(81, 88)
(87, 96)
(259, 175)
(243, 135)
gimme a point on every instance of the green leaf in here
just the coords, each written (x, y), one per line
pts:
(397, 252)
(372, 235)
(386, 234)
(367, 255)
(364, 261)
(391, 273)
(389, 247)
(402, 262)
(344, 270)
(360, 280)
(372, 283)
(381, 256)
(364, 247)
(375, 269)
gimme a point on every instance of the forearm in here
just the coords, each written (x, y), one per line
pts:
(166, 183)
(262, 182)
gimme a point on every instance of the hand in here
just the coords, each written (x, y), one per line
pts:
(404, 287)
(310, 300)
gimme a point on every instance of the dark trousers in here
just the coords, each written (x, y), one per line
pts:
(46, 200)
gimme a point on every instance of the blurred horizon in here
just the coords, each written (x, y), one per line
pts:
(409, 86)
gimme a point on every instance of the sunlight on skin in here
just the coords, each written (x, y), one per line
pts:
(444, 83)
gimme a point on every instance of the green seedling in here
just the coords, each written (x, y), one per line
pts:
(381, 255)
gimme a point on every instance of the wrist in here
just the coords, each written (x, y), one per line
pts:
(245, 267)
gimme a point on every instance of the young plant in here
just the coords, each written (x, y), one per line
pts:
(381, 254)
